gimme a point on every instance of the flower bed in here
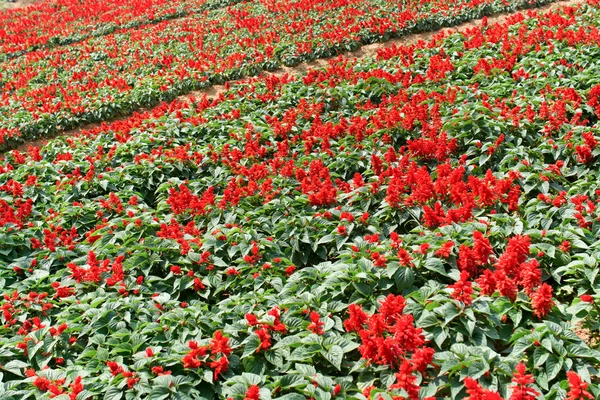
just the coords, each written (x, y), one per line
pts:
(99, 78)
(52, 23)
(420, 225)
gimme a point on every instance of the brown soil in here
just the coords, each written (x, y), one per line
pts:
(17, 4)
(586, 335)
(365, 51)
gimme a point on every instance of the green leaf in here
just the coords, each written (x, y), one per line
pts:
(159, 393)
(540, 355)
(553, 366)
(436, 265)
(252, 345)
(113, 393)
(292, 396)
(301, 353)
(404, 278)
(334, 355)
(254, 365)
(326, 239)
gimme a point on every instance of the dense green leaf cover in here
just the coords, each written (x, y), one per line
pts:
(405, 224)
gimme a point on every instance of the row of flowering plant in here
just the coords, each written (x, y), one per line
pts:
(51, 23)
(422, 224)
(107, 76)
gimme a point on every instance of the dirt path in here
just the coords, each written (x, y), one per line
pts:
(365, 51)
(5, 5)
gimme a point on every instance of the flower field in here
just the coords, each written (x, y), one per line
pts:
(423, 224)
(48, 24)
(48, 88)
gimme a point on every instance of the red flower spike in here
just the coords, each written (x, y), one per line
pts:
(316, 325)
(577, 388)
(476, 392)
(542, 300)
(252, 393)
(462, 289)
(521, 389)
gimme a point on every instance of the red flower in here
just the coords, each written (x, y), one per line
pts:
(379, 260)
(565, 246)
(476, 392)
(316, 325)
(198, 285)
(521, 391)
(462, 289)
(290, 270)
(190, 361)
(265, 339)
(42, 384)
(158, 370)
(219, 366)
(481, 247)
(467, 260)
(176, 270)
(445, 250)
(277, 326)
(391, 307)
(487, 283)
(131, 381)
(404, 258)
(505, 285)
(577, 388)
(220, 344)
(516, 253)
(356, 320)
(252, 320)
(587, 298)
(422, 357)
(405, 379)
(115, 369)
(584, 154)
(367, 391)
(530, 275)
(76, 388)
(252, 393)
(336, 390)
(408, 337)
(542, 300)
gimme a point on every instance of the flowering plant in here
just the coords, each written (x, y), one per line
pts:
(105, 59)
(421, 224)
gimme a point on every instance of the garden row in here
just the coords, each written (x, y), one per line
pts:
(423, 224)
(100, 78)
(51, 23)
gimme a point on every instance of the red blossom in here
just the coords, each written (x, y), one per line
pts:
(316, 324)
(219, 367)
(587, 298)
(265, 339)
(220, 344)
(577, 388)
(253, 393)
(542, 300)
(521, 389)
(462, 289)
(476, 392)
